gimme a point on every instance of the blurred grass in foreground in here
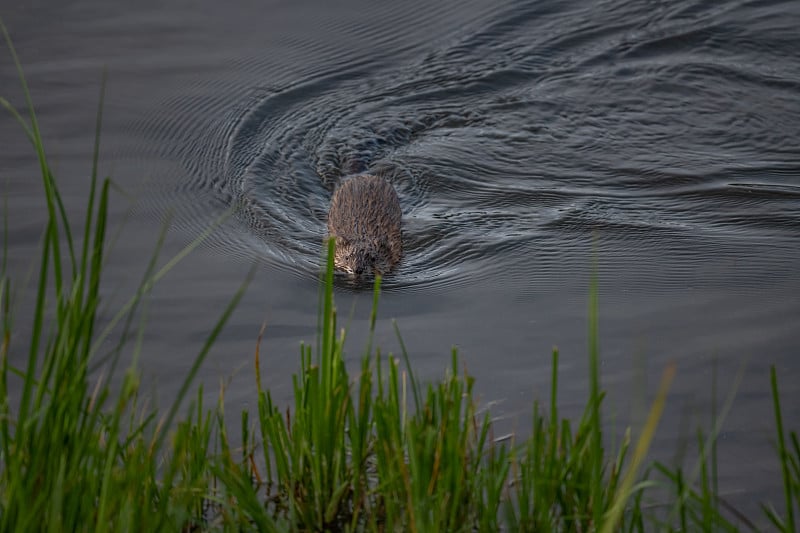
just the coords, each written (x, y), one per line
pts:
(371, 451)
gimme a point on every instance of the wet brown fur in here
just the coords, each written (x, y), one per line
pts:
(365, 219)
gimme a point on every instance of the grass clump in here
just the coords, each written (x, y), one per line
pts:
(370, 451)
(352, 455)
(75, 455)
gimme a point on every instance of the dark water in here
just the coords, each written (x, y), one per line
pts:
(526, 141)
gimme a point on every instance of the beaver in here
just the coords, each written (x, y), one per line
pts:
(365, 218)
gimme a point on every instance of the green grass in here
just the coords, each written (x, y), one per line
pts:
(370, 449)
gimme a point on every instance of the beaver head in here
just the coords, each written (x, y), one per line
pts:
(361, 257)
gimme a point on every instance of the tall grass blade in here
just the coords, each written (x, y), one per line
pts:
(788, 524)
(126, 308)
(624, 491)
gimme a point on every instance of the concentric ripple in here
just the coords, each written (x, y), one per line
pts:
(538, 127)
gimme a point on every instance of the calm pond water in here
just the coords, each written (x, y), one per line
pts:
(524, 139)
